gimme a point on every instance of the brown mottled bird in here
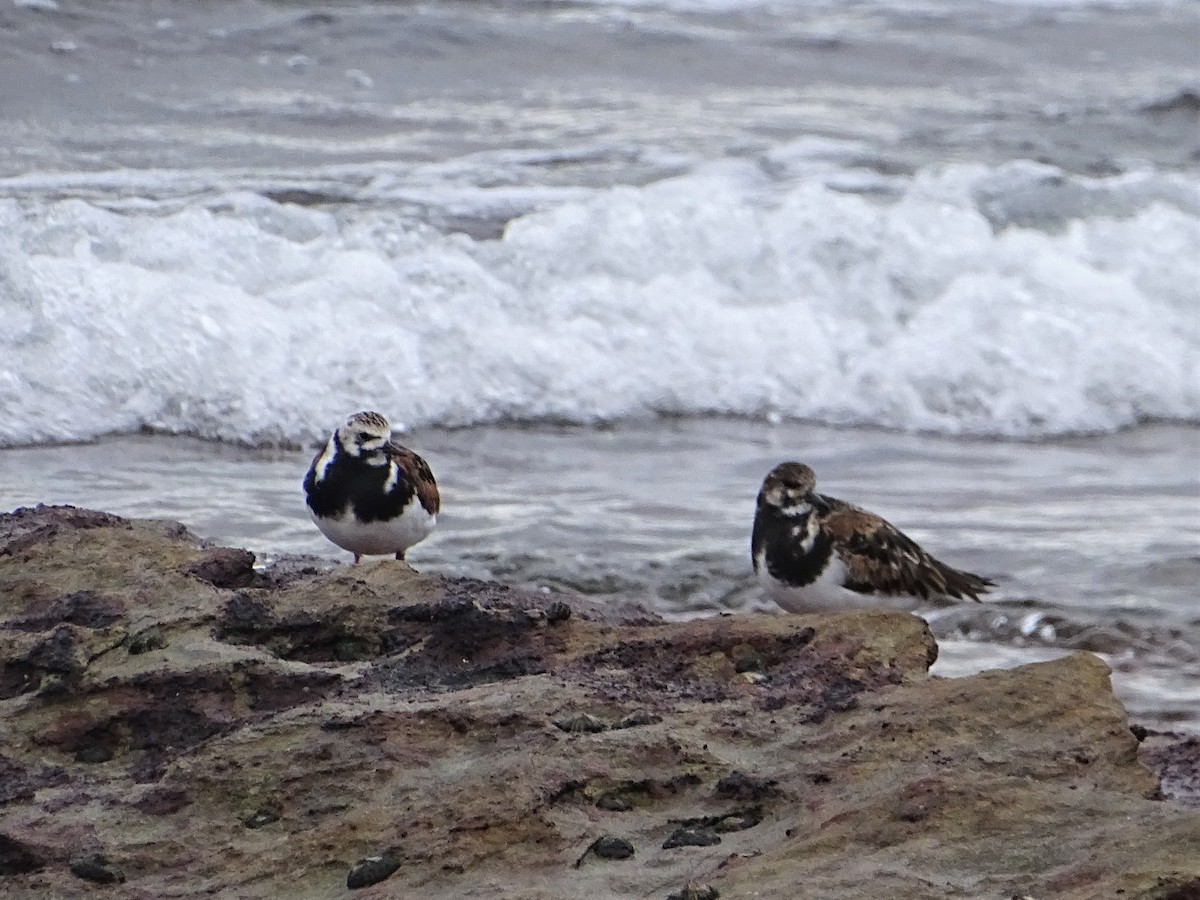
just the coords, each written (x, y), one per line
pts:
(812, 552)
(368, 494)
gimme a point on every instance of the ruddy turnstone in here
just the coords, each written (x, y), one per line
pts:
(368, 494)
(812, 552)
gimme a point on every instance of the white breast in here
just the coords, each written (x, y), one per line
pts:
(378, 538)
(826, 593)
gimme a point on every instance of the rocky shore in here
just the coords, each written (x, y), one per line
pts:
(177, 723)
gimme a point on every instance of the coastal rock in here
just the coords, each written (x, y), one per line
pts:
(280, 727)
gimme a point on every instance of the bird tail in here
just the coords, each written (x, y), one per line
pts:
(963, 585)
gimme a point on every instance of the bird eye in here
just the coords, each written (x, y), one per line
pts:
(363, 437)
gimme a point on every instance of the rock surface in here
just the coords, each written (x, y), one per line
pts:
(204, 729)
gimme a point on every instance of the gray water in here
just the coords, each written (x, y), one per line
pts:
(199, 97)
(1092, 540)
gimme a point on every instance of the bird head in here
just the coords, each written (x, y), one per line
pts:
(364, 433)
(790, 489)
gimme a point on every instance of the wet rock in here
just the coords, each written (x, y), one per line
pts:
(88, 609)
(738, 821)
(691, 837)
(703, 831)
(557, 612)
(696, 892)
(740, 786)
(1176, 887)
(1175, 759)
(464, 641)
(637, 719)
(96, 867)
(163, 801)
(224, 567)
(372, 870)
(22, 781)
(680, 782)
(27, 527)
(920, 800)
(62, 652)
(18, 677)
(623, 795)
(840, 696)
(293, 567)
(581, 723)
(341, 724)
(93, 754)
(245, 617)
(613, 803)
(748, 659)
(18, 857)
(342, 633)
(554, 614)
(175, 531)
(146, 641)
(533, 615)
(356, 648)
(261, 817)
(611, 847)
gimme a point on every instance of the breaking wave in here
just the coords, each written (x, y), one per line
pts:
(1016, 301)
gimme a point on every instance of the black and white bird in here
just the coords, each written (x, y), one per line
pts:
(368, 494)
(812, 552)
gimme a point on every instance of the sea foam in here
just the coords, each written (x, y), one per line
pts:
(949, 302)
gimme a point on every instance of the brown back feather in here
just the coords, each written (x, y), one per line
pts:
(880, 558)
(418, 474)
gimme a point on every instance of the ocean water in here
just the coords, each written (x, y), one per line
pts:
(605, 263)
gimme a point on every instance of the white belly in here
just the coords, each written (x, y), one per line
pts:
(826, 593)
(378, 538)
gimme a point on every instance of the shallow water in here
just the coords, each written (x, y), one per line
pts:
(1092, 540)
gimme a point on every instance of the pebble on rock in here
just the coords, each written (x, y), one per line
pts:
(691, 837)
(145, 641)
(93, 754)
(96, 867)
(745, 787)
(610, 847)
(372, 870)
(747, 659)
(638, 718)
(582, 722)
(607, 847)
(557, 612)
(613, 803)
(738, 821)
(261, 817)
(696, 892)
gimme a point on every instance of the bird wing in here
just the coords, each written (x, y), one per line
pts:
(417, 473)
(881, 559)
